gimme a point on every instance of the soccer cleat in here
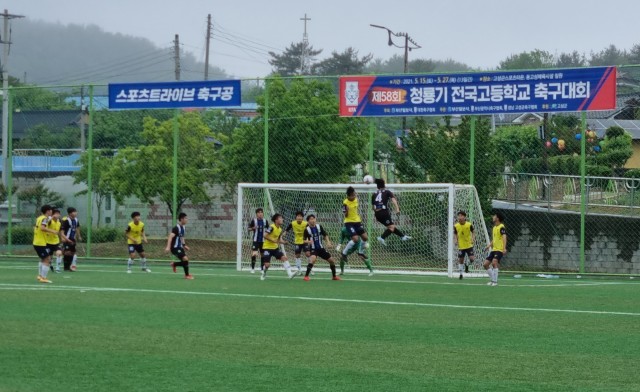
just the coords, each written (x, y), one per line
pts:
(490, 284)
(406, 238)
(292, 274)
(128, 270)
(460, 276)
(253, 271)
(263, 276)
(39, 278)
(382, 241)
(370, 273)
(45, 280)
(341, 273)
(306, 278)
(173, 267)
(336, 278)
(188, 277)
(73, 268)
(146, 270)
(57, 270)
(494, 284)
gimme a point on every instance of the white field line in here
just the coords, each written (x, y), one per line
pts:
(6, 286)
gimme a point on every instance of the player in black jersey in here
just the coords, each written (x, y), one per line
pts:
(380, 202)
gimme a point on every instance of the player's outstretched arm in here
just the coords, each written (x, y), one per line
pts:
(169, 240)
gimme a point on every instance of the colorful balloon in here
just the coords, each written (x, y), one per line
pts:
(578, 136)
(548, 144)
(597, 148)
(554, 140)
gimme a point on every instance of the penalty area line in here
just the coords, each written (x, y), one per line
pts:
(9, 286)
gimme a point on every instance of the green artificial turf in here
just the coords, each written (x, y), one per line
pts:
(100, 329)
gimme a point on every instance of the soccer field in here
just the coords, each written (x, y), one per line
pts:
(101, 329)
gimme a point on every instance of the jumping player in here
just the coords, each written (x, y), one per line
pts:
(345, 237)
(40, 231)
(70, 232)
(352, 222)
(464, 236)
(314, 234)
(300, 245)
(257, 226)
(177, 246)
(380, 202)
(135, 236)
(53, 240)
(498, 246)
(271, 247)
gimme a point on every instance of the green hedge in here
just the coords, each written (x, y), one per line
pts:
(104, 234)
(23, 235)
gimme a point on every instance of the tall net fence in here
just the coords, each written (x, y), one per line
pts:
(68, 149)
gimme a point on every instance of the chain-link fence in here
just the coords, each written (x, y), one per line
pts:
(67, 149)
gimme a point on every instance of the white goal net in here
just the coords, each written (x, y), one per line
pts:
(427, 214)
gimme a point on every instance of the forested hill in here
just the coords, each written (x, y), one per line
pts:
(58, 54)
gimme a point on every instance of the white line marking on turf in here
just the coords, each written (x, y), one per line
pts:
(9, 286)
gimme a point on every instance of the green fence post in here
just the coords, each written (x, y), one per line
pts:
(265, 163)
(9, 169)
(90, 174)
(372, 129)
(472, 150)
(174, 164)
(583, 173)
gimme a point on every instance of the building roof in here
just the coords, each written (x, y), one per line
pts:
(601, 125)
(55, 120)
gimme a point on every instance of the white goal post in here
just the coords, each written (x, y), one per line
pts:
(427, 214)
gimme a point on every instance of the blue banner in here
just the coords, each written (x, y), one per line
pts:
(561, 90)
(165, 95)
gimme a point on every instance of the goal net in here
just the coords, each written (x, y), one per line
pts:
(427, 214)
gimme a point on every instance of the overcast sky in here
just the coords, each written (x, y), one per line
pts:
(479, 33)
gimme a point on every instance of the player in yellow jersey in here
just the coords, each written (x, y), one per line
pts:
(271, 247)
(40, 231)
(135, 236)
(465, 238)
(53, 240)
(498, 246)
(352, 222)
(300, 246)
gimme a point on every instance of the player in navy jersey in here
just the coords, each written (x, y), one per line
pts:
(316, 236)
(380, 201)
(177, 246)
(257, 226)
(70, 232)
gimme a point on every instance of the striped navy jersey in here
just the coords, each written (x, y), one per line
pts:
(178, 232)
(259, 225)
(70, 227)
(380, 199)
(315, 234)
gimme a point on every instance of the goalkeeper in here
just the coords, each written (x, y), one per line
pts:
(345, 236)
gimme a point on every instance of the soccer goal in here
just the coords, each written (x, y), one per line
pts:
(427, 214)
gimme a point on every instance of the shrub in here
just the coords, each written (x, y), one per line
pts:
(20, 235)
(103, 234)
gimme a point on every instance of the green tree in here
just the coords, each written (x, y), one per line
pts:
(570, 60)
(288, 63)
(119, 129)
(517, 142)
(101, 188)
(347, 62)
(39, 195)
(146, 172)
(611, 55)
(42, 137)
(535, 59)
(308, 142)
(616, 148)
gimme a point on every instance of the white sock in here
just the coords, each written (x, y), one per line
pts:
(287, 266)
(75, 259)
(44, 270)
(129, 263)
(144, 262)
(348, 247)
(461, 268)
(39, 268)
(58, 261)
(495, 275)
(490, 272)
(298, 262)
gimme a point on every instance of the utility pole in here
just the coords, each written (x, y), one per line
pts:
(6, 43)
(305, 45)
(176, 56)
(407, 49)
(206, 56)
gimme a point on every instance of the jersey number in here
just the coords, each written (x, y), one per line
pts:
(379, 197)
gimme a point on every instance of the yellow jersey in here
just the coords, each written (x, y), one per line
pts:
(272, 231)
(298, 231)
(463, 231)
(498, 244)
(39, 236)
(350, 208)
(53, 239)
(135, 231)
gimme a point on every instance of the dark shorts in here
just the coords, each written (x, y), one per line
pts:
(42, 251)
(462, 252)
(384, 217)
(135, 248)
(267, 254)
(495, 255)
(69, 247)
(257, 245)
(354, 228)
(179, 253)
(321, 253)
(53, 248)
(304, 248)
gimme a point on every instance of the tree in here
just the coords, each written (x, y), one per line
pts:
(535, 59)
(42, 137)
(289, 63)
(146, 172)
(395, 64)
(308, 142)
(347, 62)
(571, 60)
(4, 192)
(611, 55)
(39, 195)
(101, 188)
(616, 148)
(517, 142)
(119, 129)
